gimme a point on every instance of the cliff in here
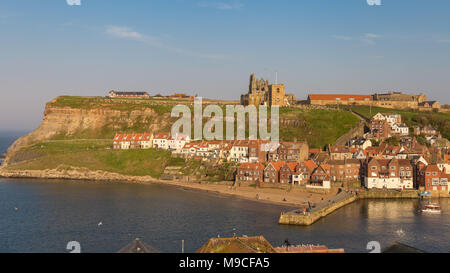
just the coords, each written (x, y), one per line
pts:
(96, 120)
(93, 118)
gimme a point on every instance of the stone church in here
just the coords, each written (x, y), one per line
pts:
(260, 92)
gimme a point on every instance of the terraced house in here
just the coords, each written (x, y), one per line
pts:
(320, 177)
(380, 129)
(161, 141)
(388, 174)
(272, 172)
(239, 151)
(345, 170)
(303, 172)
(339, 152)
(295, 151)
(133, 141)
(287, 171)
(433, 179)
(178, 141)
(250, 172)
(256, 153)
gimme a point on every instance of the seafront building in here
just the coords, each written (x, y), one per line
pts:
(128, 95)
(396, 100)
(133, 141)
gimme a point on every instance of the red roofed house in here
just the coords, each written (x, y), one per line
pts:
(178, 141)
(295, 151)
(324, 99)
(388, 173)
(320, 178)
(272, 172)
(190, 149)
(133, 141)
(345, 170)
(161, 141)
(433, 179)
(303, 173)
(287, 171)
(339, 152)
(250, 172)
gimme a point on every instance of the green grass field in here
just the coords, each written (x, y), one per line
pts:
(111, 103)
(94, 155)
(318, 126)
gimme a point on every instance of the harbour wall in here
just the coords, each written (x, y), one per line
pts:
(297, 217)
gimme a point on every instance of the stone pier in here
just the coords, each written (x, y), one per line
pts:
(297, 217)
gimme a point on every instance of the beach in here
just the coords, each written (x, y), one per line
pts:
(292, 197)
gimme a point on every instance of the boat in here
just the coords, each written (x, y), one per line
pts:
(425, 194)
(431, 208)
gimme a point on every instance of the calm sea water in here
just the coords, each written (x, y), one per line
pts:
(8, 137)
(44, 215)
(50, 214)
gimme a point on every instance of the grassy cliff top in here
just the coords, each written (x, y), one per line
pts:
(318, 126)
(160, 105)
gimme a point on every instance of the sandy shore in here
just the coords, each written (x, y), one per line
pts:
(296, 197)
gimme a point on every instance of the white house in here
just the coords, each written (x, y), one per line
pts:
(178, 141)
(393, 119)
(389, 174)
(161, 141)
(379, 116)
(239, 152)
(203, 150)
(400, 129)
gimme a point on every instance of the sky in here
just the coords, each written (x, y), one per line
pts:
(50, 48)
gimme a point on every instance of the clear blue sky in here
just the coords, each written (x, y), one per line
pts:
(48, 48)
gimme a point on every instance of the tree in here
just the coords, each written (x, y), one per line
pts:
(392, 141)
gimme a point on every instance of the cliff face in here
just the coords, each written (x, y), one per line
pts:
(63, 122)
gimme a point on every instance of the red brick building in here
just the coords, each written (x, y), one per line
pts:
(345, 170)
(272, 172)
(380, 129)
(255, 151)
(250, 172)
(295, 151)
(340, 152)
(433, 179)
(287, 171)
(320, 176)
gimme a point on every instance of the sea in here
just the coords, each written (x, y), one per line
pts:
(43, 216)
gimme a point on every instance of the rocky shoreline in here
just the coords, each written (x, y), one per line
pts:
(77, 174)
(225, 188)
